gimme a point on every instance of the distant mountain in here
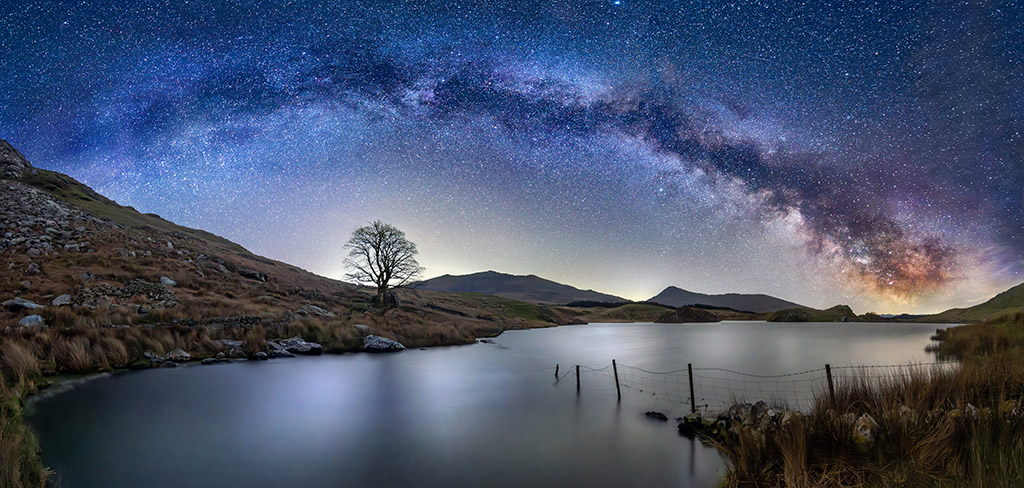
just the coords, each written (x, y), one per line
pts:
(1006, 303)
(528, 288)
(678, 297)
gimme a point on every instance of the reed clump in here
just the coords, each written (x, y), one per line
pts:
(955, 426)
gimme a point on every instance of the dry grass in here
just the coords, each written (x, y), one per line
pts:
(960, 427)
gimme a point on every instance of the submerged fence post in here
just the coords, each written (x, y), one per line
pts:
(693, 398)
(615, 369)
(556, 370)
(831, 387)
(577, 378)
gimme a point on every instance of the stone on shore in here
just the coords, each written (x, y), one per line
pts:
(294, 345)
(178, 355)
(372, 343)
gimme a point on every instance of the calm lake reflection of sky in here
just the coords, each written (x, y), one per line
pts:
(484, 415)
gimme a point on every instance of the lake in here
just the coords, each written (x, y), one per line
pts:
(484, 415)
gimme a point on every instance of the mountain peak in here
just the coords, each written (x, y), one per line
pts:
(528, 288)
(677, 297)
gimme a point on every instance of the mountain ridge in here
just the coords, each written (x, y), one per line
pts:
(528, 288)
(757, 303)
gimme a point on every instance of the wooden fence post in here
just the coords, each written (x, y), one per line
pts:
(577, 378)
(693, 398)
(615, 369)
(831, 387)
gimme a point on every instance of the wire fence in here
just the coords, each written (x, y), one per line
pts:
(712, 390)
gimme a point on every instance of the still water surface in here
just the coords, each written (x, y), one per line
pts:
(485, 415)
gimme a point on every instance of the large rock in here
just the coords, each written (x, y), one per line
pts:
(296, 345)
(179, 355)
(32, 321)
(62, 300)
(16, 304)
(167, 281)
(315, 311)
(252, 273)
(372, 343)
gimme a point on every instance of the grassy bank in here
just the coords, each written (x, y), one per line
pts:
(30, 357)
(955, 428)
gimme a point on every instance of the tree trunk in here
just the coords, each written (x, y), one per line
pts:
(381, 291)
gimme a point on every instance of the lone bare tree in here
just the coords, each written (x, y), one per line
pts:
(379, 254)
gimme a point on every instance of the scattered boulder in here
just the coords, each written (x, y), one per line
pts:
(17, 304)
(179, 355)
(315, 311)
(693, 425)
(262, 356)
(657, 416)
(33, 270)
(168, 364)
(253, 274)
(365, 329)
(153, 357)
(296, 345)
(32, 321)
(167, 281)
(373, 343)
(62, 300)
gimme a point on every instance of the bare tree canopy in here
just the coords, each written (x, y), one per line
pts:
(379, 254)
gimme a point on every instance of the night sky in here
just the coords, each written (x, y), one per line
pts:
(847, 152)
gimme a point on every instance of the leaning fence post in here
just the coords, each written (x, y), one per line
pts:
(615, 369)
(831, 387)
(556, 370)
(693, 398)
(577, 378)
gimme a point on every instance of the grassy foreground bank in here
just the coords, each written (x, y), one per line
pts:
(31, 357)
(961, 427)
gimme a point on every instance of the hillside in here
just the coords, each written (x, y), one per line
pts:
(838, 313)
(1007, 303)
(528, 288)
(118, 266)
(678, 297)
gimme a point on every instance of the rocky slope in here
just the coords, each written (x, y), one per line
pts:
(86, 261)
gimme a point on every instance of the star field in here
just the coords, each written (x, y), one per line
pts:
(857, 152)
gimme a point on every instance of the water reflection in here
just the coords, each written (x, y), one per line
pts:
(482, 415)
